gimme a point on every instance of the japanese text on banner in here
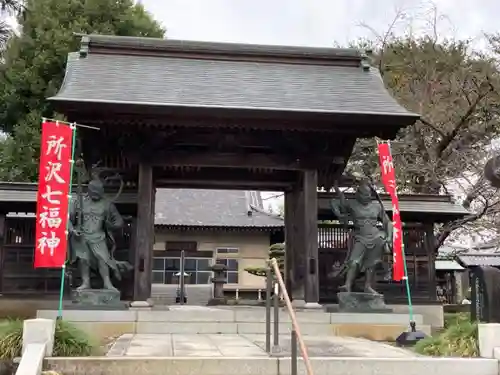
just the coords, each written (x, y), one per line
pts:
(389, 181)
(53, 195)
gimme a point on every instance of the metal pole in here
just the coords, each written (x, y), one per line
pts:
(269, 288)
(293, 344)
(181, 280)
(276, 298)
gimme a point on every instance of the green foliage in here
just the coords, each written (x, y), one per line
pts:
(34, 64)
(277, 251)
(69, 341)
(257, 271)
(459, 339)
(11, 340)
(452, 319)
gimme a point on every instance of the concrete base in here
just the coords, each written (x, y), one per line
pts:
(298, 303)
(141, 304)
(489, 339)
(271, 366)
(39, 331)
(313, 305)
(206, 320)
(374, 332)
(217, 301)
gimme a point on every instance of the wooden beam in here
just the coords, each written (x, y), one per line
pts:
(223, 184)
(144, 239)
(310, 225)
(240, 160)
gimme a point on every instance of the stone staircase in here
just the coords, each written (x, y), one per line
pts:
(187, 340)
(197, 295)
(235, 320)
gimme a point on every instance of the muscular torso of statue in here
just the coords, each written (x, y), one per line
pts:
(369, 239)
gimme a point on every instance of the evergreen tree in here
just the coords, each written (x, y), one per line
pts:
(34, 65)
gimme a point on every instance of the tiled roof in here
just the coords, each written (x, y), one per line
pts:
(479, 259)
(212, 208)
(441, 205)
(252, 77)
(447, 265)
(182, 207)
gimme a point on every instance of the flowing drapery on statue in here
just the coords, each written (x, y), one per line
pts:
(93, 218)
(369, 241)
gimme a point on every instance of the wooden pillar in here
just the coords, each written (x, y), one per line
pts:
(293, 262)
(144, 235)
(431, 256)
(310, 235)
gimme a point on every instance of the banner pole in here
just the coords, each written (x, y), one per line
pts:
(63, 268)
(408, 292)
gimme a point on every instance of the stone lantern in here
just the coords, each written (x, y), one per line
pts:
(219, 279)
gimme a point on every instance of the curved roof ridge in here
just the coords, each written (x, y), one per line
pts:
(96, 42)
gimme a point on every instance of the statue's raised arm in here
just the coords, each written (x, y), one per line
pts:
(340, 206)
(114, 220)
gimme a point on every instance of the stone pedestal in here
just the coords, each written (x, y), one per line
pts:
(362, 302)
(96, 298)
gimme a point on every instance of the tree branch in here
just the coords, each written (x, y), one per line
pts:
(433, 127)
(451, 226)
(446, 141)
(383, 39)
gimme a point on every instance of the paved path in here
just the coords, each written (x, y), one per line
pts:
(234, 345)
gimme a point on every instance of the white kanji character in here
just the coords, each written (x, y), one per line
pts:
(395, 232)
(55, 145)
(387, 164)
(395, 209)
(391, 184)
(53, 170)
(51, 243)
(50, 217)
(49, 195)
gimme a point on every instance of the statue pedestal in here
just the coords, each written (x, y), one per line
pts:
(96, 298)
(362, 303)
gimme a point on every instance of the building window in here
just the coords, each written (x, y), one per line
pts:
(165, 268)
(227, 250)
(232, 269)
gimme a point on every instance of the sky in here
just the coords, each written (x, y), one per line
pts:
(319, 22)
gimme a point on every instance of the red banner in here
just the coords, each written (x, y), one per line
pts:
(53, 195)
(389, 181)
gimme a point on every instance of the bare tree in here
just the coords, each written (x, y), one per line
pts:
(456, 90)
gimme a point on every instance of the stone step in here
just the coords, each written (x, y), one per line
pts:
(198, 295)
(270, 366)
(205, 320)
(202, 314)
